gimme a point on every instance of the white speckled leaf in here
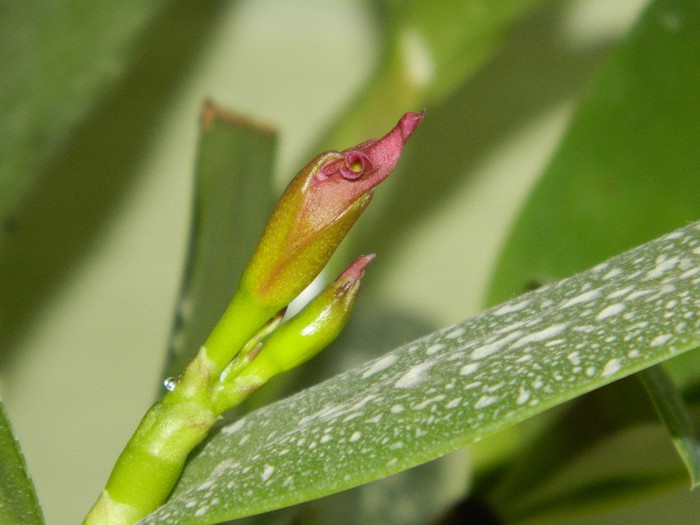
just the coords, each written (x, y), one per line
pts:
(451, 387)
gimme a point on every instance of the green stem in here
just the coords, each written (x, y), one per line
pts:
(239, 324)
(151, 463)
(154, 457)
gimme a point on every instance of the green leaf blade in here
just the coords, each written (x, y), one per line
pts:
(48, 82)
(677, 418)
(233, 199)
(601, 439)
(18, 501)
(626, 170)
(430, 50)
(452, 387)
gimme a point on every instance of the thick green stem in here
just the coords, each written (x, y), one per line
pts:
(154, 457)
(151, 463)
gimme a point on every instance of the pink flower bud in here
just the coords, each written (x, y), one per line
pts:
(312, 217)
(316, 211)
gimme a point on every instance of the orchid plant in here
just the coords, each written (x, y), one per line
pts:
(252, 343)
(522, 351)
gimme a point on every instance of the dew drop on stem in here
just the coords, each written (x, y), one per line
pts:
(170, 383)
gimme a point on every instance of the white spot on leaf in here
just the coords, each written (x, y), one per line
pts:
(510, 308)
(454, 334)
(492, 348)
(611, 367)
(582, 298)
(415, 376)
(235, 427)
(612, 273)
(432, 349)
(454, 403)
(267, 472)
(469, 369)
(660, 340)
(384, 363)
(610, 311)
(485, 401)
(523, 396)
(541, 335)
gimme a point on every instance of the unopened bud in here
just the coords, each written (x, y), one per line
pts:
(313, 216)
(315, 213)
(297, 340)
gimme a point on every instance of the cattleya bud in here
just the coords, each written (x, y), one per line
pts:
(251, 343)
(312, 217)
(295, 341)
(316, 211)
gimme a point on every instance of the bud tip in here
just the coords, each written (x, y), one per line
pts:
(409, 122)
(356, 270)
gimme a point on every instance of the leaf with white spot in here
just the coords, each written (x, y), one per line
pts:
(418, 403)
(606, 444)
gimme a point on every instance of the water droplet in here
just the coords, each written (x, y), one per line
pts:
(170, 383)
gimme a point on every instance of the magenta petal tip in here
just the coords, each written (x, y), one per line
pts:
(409, 122)
(356, 270)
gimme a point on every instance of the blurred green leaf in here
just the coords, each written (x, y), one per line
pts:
(627, 169)
(83, 184)
(582, 428)
(430, 48)
(452, 387)
(57, 59)
(632, 465)
(676, 415)
(233, 197)
(18, 502)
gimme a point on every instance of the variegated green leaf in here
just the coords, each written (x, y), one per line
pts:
(452, 387)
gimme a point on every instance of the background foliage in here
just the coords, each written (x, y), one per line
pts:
(99, 126)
